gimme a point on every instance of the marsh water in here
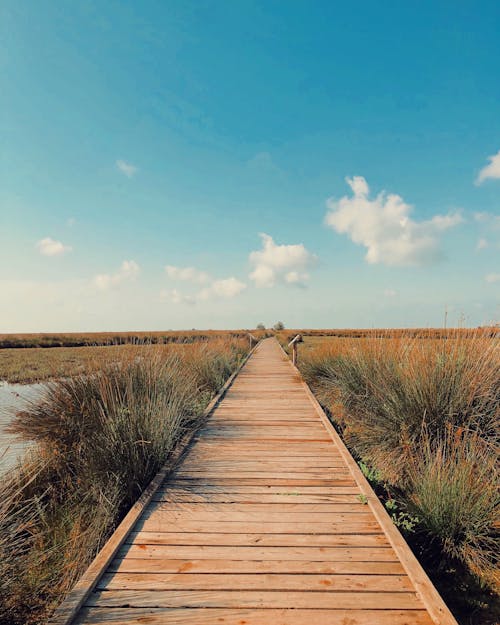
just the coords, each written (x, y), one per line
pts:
(12, 398)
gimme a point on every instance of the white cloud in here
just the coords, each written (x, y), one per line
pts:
(176, 297)
(225, 289)
(482, 244)
(129, 270)
(188, 274)
(488, 219)
(490, 171)
(263, 161)
(492, 277)
(390, 293)
(126, 168)
(50, 247)
(384, 226)
(274, 263)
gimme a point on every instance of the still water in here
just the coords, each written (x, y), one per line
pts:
(12, 398)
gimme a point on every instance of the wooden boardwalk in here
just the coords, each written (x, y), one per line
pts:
(264, 523)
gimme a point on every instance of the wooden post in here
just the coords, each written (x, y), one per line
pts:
(252, 339)
(294, 344)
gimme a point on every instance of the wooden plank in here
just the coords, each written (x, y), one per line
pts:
(224, 616)
(180, 496)
(319, 554)
(265, 539)
(260, 489)
(235, 527)
(235, 473)
(256, 481)
(164, 514)
(248, 509)
(259, 581)
(167, 565)
(254, 599)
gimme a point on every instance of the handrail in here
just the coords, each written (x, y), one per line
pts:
(294, 343)
(252, 339)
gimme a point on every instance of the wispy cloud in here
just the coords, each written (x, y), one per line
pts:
(390, 292)
(264, 162)
(176, 297)
(286, 264)
(492, 170)
(492, 277)
(126, 168)
(482, 244)
(488, 219)
(383, 225)
(225, 288)
(188, 274)
(51, 247)
(129, 270)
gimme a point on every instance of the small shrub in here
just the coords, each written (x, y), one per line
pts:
(454, 491)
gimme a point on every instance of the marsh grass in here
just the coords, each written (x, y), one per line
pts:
(100, 438)
(452, 489)
(424, 413)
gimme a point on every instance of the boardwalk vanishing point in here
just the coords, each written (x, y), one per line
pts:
(267, 520)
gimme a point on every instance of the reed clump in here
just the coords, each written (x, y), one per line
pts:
(100, 438)
(425, 413)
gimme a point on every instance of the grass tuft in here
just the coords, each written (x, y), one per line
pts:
(99, 438)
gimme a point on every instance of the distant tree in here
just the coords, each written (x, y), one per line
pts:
(279, 325)
(261, 326)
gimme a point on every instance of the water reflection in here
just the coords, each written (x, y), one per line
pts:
(12, 398)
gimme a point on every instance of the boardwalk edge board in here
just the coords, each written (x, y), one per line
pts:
(66, 612)
(432, 600)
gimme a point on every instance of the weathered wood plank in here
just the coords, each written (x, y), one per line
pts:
(319, 554)
(259, 581)
(167, 565)
(254, 599)
(154, 524)
(224, 616)
(265, 539)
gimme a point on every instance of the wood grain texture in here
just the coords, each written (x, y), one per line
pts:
(264, 522)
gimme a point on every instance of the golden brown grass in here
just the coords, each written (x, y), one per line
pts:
(423, 415)
(89, 339)
(34, 364)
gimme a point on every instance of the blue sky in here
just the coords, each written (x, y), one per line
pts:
(147, 148)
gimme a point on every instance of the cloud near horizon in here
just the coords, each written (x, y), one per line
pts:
(51, 247)
(129, 270)
(490, 171)
(492, 277)
(225, 288)
(285, 264)
(187, 274)
(383, 225)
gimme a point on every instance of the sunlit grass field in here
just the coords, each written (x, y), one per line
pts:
(421, 415)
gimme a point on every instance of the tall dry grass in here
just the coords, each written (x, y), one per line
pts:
(100, 438)
(425, 413)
